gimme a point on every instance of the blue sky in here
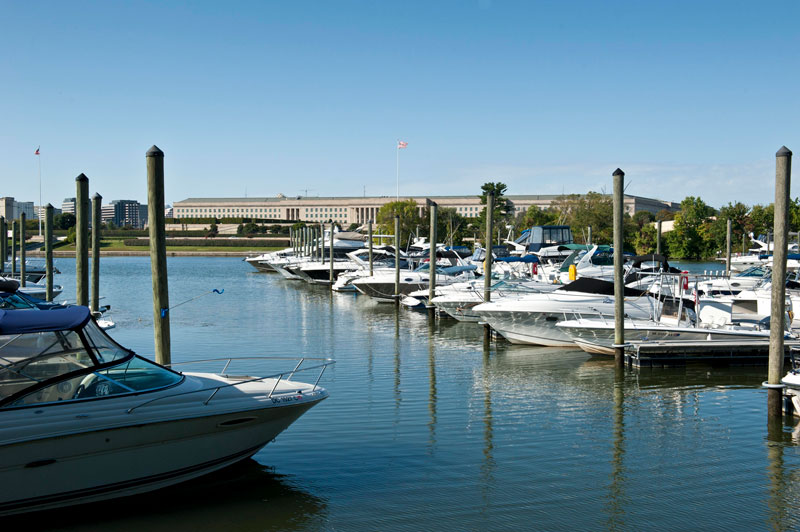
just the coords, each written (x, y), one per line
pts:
(689, 98)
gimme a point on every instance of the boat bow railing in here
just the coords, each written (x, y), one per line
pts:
(322, 365)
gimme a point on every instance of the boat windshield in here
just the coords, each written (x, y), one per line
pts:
(755, 271)
(13, 301)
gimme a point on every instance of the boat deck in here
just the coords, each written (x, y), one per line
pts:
(680, 352)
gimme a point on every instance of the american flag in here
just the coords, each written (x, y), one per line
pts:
(37, 151)
(401, 144)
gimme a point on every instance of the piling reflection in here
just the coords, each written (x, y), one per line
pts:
(397, 398)
(244, 497)
(432, 383)
(615, 505)
(488, 465)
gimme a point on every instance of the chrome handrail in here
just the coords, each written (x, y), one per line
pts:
(214, 389)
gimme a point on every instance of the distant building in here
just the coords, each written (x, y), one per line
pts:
(359, 210)
(169, 212)
(11, 209)
(68, 206)
(124, 213)
(40, 211)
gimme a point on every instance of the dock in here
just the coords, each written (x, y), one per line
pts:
(680, 352)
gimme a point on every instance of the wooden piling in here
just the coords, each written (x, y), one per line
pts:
(96, 217)
(658, 237)
(589, 235)
(22, 251)
(619, 258)
(433, 238)
(397, 262)
(728, 250)
(369, 231)
(3, 244)
(783, 174)
(158, 253)
(13, 248)
(82, 240)
(330, 258)
(487, 262)
(48, 251)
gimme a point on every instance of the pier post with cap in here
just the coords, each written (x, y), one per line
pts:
(487, 262)
(48, 251)
(13, 248)
(82, 240)
(783, 174)
(619, 258)
(96, 217)
(397, 262)
(433, 238)
(22, 251)
(728, 250)
(158, 253)
(369, 231)
(3, 243)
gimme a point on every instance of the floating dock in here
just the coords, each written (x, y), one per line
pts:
(680, 352)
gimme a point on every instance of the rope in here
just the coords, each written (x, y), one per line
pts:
(164, 311)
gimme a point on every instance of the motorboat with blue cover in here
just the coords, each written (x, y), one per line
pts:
(84, 419)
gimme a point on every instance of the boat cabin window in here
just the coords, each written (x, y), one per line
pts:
(134, 375)
(13, 301)
(26, 359)
(105, 349)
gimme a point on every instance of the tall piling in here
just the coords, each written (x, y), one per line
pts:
(728, 250)
(658, 237)
(487, 261)
(433, 238)
(96, 217)
(13, 248)
(783, 175)
(369, 231)
(330, 258)
(589, 235)
(619, 258)
(3, 244)
(22, 251)
(82, 240)
(48, 251)
(158, 253)
(291, 239)
(397, 262)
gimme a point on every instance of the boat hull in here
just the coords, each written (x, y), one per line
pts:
(115, 462)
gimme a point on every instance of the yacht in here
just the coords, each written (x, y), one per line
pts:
(380, 286)
(83, 419)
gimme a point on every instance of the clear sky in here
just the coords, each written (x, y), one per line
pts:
(688, 97)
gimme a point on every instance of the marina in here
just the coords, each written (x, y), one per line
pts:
(422, 420)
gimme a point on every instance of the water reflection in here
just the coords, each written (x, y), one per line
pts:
(488, 465)
(244, 497)
(617, 500)
(432, 383)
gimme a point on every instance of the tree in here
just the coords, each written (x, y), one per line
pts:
(65, 220)
(643, 218)
(690, 238)
(450, 225)
(645, 241)
(501, 212)
(718, 229)
(275, 229)
(761, 219)
(536, 216)
(352, 227)
(409, 218)
(665, 215)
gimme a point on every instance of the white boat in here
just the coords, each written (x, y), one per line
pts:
(532, 319)
(83, 419)
(381, 285)
(262, 262)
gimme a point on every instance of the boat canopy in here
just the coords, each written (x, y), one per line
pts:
(589, 285)
(57, 319)
(528, 259)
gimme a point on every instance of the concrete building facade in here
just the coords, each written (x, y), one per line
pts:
(11, 209)
(348, 210)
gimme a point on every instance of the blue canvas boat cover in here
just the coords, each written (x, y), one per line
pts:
(31, 321)
(528, 259)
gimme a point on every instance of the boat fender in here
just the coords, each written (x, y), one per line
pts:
(573, 272)
(685, 280)
(534, 268)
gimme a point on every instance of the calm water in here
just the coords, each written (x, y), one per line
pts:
(425, 429)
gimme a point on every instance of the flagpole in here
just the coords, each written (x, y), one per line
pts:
(397, 149)
(39, 214)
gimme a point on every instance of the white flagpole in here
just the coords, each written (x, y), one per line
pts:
(39, 214)
(397, 149)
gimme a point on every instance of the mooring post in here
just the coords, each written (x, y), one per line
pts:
(22, 251)
(487, 261)
(658, 237)
(291, 239)
(783, 175)
(96, 211)
(158, 253)
(13, 248)
(728, 250)
(82, 240)
(619, 258)
(330, 258)
(48, 251)
(3, 244)
(369, 230)
(589, 235)
(433, 238)
(397, 262)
